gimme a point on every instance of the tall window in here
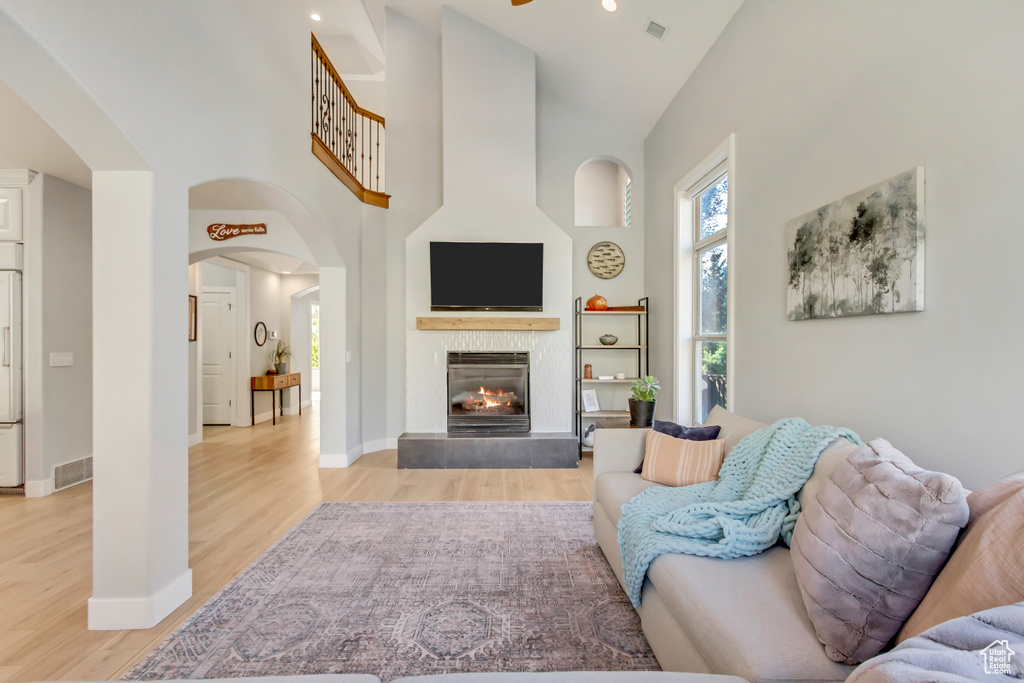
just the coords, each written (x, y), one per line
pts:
(627, 203)
(711, 268)
(314, 343)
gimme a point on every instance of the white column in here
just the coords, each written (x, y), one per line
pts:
(333, 448)
(140, 402)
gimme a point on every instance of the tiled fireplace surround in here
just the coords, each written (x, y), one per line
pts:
(428, 445)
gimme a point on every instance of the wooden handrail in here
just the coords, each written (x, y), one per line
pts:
(346, 137)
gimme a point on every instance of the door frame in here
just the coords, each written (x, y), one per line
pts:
(234, 344)
(243, 332)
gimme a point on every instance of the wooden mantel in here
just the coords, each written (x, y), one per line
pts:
(439, 323)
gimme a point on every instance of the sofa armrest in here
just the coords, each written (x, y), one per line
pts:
(617, 450)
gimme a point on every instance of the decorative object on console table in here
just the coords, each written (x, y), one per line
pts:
(585, 372)
(192, 315)
(279, 357)
(871, 247)
(643, 402)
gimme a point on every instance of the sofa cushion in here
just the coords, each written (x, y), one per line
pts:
(678, 431)
(745, 616)
(733, 426)
(681, 462)
(990, 552)
(867, 550)
(615, 489)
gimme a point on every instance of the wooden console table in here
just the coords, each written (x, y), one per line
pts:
(273, 384)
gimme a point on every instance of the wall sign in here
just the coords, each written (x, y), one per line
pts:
(222, 231)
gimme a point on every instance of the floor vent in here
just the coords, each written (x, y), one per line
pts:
(72, 473)
(12, 490)
(656, 29)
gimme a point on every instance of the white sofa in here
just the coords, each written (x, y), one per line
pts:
(742, 617)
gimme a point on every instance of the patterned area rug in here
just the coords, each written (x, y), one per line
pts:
(403, 589)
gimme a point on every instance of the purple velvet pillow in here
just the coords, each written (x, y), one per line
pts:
(681, 432)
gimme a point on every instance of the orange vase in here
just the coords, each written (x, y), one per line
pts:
(597, 303)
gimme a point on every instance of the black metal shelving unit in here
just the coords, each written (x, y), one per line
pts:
(643, 358)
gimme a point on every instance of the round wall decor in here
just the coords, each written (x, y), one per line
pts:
(606, 260)
(260, 333)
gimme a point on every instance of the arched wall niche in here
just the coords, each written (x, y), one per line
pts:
(601, 193)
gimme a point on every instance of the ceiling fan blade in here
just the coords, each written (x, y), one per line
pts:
(517, 3)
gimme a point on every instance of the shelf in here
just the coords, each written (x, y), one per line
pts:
(613, 312)
(439, 323)
(605, 413)
(616, 346)
(628, 380)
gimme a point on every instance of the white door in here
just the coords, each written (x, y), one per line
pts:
(10, 346)
(218, 311)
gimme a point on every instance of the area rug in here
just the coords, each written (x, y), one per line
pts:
(404, 589)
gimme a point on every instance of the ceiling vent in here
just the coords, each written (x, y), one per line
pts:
(655, 29)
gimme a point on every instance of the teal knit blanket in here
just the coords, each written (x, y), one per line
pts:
(745, 512)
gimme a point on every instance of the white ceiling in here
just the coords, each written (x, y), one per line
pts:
(605, 61)
(26, 141)
(274, 262)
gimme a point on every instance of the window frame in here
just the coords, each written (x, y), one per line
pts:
(700, 247)
(686, 282)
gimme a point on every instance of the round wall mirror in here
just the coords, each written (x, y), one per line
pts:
(260, 334)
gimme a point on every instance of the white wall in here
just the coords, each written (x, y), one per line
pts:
(826, 99)
(598, 194)
(58, 284)
(414, 178)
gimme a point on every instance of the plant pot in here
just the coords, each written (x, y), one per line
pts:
(282, 368)
(641, 413)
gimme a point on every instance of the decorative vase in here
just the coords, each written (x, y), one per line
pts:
(641, 413)
(597, 303)
(282, 368)
(588, 371)
(609, 339)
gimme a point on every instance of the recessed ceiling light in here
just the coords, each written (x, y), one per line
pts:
(609, 5)
(316, 17)
(286, 272)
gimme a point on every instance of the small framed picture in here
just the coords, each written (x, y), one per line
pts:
(192, 315)
(590, 404)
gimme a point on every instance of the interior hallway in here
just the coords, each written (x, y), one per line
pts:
(246, 488)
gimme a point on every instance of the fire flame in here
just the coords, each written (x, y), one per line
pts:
(492, 403)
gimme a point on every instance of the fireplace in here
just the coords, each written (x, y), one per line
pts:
(488, 392)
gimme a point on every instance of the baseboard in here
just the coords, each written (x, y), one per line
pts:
(263, 417)
(38, 488)
(195, 439)
(335, 460)
(291, 410)
(307, 403)
(392, 444)
(115, 614)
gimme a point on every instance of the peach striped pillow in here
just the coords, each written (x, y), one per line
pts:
(681, 462)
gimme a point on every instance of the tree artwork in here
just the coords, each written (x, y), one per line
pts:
(861, 255)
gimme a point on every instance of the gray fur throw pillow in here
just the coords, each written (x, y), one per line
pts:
(867, 550)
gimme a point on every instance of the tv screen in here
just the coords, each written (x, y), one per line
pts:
(486, 276)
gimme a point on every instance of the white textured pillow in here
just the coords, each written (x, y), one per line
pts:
(868, 549)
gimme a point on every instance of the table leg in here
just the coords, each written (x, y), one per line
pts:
(252, 407)
(300, 398)
(273, 406)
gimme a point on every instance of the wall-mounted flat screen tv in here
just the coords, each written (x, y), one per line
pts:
(486, 276)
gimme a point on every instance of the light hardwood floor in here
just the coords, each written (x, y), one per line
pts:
(246, 488)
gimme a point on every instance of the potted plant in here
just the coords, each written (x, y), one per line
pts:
(279, 356)
(642, 401)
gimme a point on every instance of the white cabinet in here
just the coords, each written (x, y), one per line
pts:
(11, 224)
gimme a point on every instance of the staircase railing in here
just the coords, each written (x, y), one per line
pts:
(348, 139)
